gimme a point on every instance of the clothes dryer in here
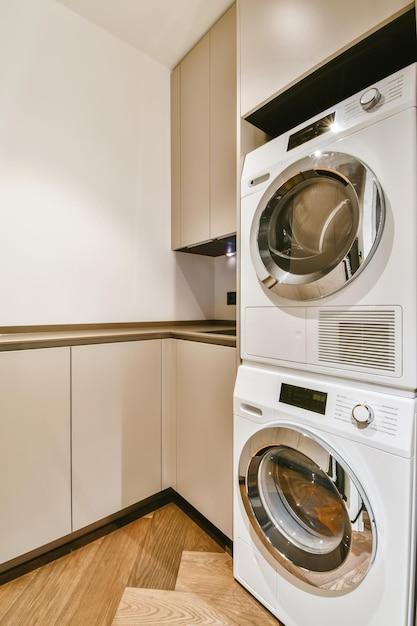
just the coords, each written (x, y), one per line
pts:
(328, 241)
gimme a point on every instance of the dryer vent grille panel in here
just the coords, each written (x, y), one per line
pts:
(363, 338)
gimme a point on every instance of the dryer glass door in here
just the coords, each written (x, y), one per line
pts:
(316, 226)
(307, 508)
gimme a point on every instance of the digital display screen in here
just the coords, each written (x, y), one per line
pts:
(304, 398)
(311, 132)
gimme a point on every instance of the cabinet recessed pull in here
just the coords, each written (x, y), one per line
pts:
(253, 410)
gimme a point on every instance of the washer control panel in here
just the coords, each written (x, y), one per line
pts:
(376, 418)
(380, 417)
(362, 414)
(303, 398)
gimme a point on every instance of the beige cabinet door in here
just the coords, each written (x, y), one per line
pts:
(116, 427)
(195, 147)
(35, 444)
(175, 158)
(281, 40)
(223, 116)
(205, 381)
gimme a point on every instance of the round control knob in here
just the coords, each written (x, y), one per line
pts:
(362, 414)
(370, 98)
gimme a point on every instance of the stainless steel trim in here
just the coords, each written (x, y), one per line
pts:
(370, 416)
(365, 195)
(370, 98)
(335, 572)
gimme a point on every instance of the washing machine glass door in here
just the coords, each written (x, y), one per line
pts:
(317, 226)
(308, 508)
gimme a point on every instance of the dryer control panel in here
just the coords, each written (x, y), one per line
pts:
(311, 131)
(379, 100)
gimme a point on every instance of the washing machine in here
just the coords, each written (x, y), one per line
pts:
(328, 241)
(324, 499)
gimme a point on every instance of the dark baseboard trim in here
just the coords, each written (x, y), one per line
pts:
(215, 533)
(52, 551)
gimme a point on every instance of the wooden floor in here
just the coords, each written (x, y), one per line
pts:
(159, 570)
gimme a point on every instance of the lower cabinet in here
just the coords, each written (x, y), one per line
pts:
(116, 427)
(35, 445)
(86, 423)
(205, 379)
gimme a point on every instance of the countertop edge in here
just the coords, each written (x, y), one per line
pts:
(31, 341)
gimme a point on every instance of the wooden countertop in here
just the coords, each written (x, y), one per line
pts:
(46, 337)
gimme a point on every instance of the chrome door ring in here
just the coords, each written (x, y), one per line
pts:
(367, 201)
(342, 575)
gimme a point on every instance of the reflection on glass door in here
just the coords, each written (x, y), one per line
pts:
(317, 226)
(308, 509)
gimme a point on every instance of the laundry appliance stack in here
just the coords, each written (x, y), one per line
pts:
(325, 437)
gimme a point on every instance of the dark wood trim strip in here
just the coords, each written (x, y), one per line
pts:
(34, 344)
(56, 549)
(208, 332)
(54, 328)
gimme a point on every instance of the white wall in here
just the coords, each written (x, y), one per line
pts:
(85, 178)
(224, 281)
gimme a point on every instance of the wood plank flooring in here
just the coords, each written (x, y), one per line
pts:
(159, 570)
(205, 593)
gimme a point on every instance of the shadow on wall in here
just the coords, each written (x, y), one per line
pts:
(224, 281)
(194, 279)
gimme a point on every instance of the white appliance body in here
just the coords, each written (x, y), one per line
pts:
(379, 457)
(366, 329)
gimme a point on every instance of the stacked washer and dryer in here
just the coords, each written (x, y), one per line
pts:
(325, 408)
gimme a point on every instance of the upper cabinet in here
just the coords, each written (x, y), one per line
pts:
(195, 144)
(223, 103)
(203, 131)
(281, 41)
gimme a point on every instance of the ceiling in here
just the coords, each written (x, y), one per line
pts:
(162, 29)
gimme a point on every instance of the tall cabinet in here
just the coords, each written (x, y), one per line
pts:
(203, 131)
